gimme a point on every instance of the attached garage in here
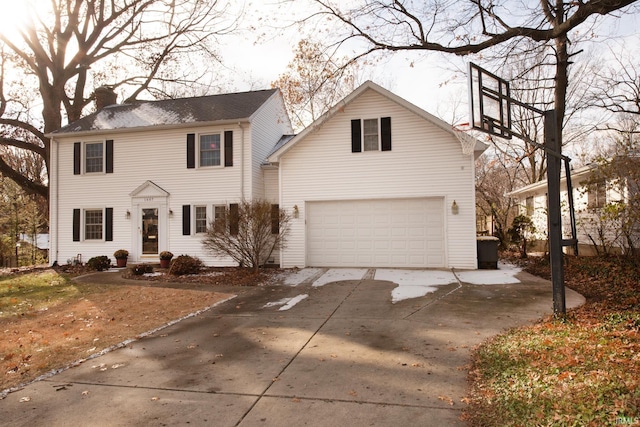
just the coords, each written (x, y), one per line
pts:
(376, 233)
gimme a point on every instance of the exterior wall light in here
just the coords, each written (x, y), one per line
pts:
(296, 211)
(454, 208)
(170, 213)
(128, 214)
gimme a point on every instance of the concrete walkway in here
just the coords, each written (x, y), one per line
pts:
(343, 356)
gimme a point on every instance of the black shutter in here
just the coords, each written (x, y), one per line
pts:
(275, 219)
(191, 150)
(77, 156)
(186, 220)
(76, 225)
(109, 155)
(356, 136)
(108, 224)
(234, 219)
(385, 133)
(228, 148)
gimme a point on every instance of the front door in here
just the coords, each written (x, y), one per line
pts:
(150, 231)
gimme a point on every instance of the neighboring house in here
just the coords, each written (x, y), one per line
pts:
(41, 240)
(375, 182)
(589, 200)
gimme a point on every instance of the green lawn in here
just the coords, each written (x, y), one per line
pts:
(27, 293)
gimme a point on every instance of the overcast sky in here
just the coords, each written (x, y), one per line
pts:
(259, 57)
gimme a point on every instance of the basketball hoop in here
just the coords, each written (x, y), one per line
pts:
(468, 137)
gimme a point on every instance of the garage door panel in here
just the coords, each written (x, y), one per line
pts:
(376, 233)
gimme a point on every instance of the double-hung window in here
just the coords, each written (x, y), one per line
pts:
(597, 195)
(93, 157)
(201, 219)
(219, 212)
(93, 224)
(210, 150)
(370, 137)
(529, 207)
(371, 134)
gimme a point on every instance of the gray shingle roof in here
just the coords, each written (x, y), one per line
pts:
(231, 106)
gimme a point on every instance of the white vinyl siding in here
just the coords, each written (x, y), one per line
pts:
(164, 152)
(426, 162)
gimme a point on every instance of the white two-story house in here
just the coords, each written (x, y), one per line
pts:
(375, 182)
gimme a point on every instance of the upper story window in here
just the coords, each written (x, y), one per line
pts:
(210, 150)
(370, 138)
(371, 134)
(93, 157)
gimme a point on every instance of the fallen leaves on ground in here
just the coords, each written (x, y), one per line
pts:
(583, 369)
(94, 318)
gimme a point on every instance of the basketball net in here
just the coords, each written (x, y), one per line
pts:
(468, 137)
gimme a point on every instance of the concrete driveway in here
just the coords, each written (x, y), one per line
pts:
(343, 355)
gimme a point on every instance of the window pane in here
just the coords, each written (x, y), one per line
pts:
(529, 206)
(93, 157)
(93, 225)
(219, 213)
(370, 134)
(210, 150)
(201, 219)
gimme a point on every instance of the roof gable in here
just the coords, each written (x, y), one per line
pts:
(149, 189)
(368, 85)
(143, 114)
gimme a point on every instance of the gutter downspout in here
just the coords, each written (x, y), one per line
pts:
(57, 210)
(241, 160)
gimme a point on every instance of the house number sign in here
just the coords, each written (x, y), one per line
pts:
(148, 199)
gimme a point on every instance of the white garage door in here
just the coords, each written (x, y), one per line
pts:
(376, 233)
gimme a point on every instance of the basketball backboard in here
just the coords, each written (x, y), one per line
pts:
(489, 102)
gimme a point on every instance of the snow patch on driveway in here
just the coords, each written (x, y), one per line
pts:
(411, 283)
(504, 275)
(294, 278)
(338, 274)
(414, 283)
(286, 303)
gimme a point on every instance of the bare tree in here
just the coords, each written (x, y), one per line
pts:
(248, 232)
(314, 82)
(617, 89)
(68, 44)
(468, 27)
(497, 175)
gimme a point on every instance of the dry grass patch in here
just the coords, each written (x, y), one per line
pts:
(48, 321)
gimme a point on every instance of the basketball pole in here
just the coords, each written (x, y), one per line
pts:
(554, 167)
(495, 91)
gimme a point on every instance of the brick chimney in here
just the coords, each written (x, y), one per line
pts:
(104, 95)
